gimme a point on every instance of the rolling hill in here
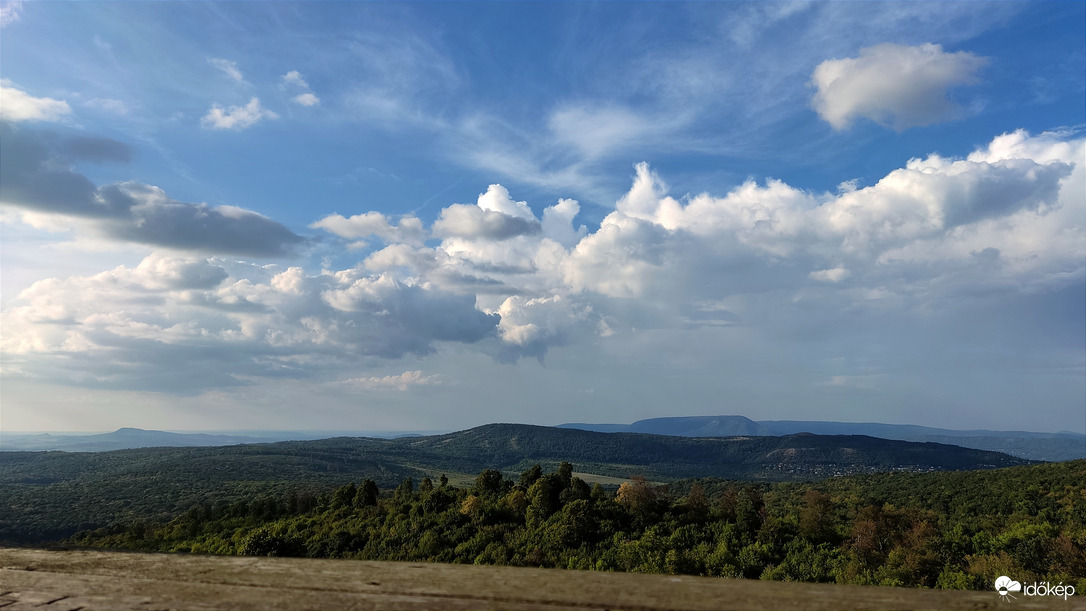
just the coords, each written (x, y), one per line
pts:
(48, 495)
(803, 456)
(1024, 444)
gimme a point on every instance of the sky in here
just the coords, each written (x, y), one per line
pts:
(431, 216)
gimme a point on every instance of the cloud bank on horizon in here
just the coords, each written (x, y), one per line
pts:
(902, 237)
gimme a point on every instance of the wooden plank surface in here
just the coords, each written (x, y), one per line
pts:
(55, 580)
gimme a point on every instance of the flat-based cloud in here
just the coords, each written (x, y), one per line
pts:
(306, 99)
(169, 316)
(766, 258)
(21, 106)
(470, 221)
(893, 85)
(494, 217)
(36, 175)
(408, 229)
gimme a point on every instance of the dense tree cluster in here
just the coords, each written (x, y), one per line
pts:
(945, 530)
(45, 496)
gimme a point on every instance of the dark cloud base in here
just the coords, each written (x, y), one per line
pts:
(36, 174)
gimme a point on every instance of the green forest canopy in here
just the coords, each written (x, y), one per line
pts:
(955, 530)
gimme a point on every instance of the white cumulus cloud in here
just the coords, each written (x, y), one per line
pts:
(495, 216)
(183, 324)
(294, 78)
(18, 105)
(558, 222)
(408, 229)
(893, 85)
(764, 260)
(306, 99)
(533, 324)
(237, 117)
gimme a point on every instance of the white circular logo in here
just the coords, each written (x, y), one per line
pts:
(1005, 585)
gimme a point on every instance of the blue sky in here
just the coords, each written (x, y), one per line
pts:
(391, 216)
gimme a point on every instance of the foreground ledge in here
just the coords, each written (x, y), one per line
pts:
(71, 580)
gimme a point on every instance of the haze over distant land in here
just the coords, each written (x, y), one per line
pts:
(407, 216)
(1023, 444)
(1032, 445)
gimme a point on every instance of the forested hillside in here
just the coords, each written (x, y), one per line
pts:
(514, 447)
(1023, 444)
(48, 495)
(945, 530)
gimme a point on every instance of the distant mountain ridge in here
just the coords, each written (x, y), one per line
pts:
(513, 447)
(121, 439)
(687, 426)
(130, 438)
(1024, 444)
(878, 429)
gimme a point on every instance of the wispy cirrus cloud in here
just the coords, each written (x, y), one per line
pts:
(110, 105)
(727, 94)
(228, 67)
(401, 382)
(9, 12)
